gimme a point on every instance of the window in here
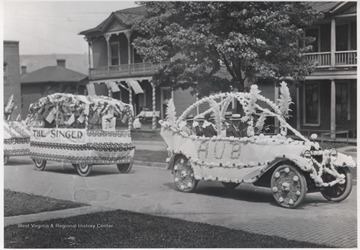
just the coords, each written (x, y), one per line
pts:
(312, 104)
(342, 38)
(115, 53)
(315, 34)
(342, 102)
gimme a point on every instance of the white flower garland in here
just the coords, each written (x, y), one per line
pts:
(248, 101)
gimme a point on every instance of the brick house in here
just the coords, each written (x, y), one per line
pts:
(49, 80)
(11, 75)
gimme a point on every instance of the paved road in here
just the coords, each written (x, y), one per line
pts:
(150, 190)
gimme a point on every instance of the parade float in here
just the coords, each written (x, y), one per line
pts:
(81, 130)
(287, 162)
(16, 139)
(16, 134)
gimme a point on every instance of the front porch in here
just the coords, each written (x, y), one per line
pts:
(336, 59)
(328, 108)
(125, 70)
(148, 101)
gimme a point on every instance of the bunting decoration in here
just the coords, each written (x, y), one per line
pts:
(81, 109)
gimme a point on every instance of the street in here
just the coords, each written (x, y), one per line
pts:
(150, 190)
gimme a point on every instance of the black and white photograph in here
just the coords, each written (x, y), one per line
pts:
(179, 124)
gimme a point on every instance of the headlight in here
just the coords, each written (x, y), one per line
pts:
(333, 154)
(307, 154)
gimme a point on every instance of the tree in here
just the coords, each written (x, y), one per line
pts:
(254, 40)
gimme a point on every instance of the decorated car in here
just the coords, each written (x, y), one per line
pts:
(287, 162)
(16, 139)
(16, 133)
(81, 130)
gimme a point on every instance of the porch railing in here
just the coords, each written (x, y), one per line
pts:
(342, 58)
(125, 70)
(346, 58)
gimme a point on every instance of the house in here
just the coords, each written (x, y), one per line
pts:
(49, 80)
(325, 102)
(11, 75)
(327, 99)
(117, 70)
(76, 62)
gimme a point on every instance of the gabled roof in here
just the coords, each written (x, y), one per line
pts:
(53, 74)
(331, 8)
(125, 17)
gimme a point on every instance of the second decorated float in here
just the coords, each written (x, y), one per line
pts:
(81, 130)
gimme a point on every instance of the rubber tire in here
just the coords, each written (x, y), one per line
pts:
(39, 164)
(83, 169)
(189, 176)
(275, 183)
(230, 185)
(328, 192)
(124, 168)
(6, 159)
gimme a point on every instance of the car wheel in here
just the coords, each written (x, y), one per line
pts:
(288, 186)
(338, 192)
(124, 168)
(230, 185)
(6, 159)
(184, 176)
(83, 169)
(39, 164)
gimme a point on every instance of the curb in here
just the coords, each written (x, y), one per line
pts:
(43, 216)
(151, 164)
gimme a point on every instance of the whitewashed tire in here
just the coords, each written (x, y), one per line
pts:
(124, 168)
(83, 169)
(339, 192)
(6, 159)
(39, 164)
(288, 186)
(184, 176)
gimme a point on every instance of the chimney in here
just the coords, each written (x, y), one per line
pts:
(23, 69)
(61, 62)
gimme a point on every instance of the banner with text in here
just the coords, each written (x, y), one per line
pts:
(59, 135)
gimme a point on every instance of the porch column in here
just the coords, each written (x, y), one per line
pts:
(153, 105)
(90, 57)
(333, 43)
(107, 37)
(128, 36)
(333, 109)
(298, 108)
(276, 97)
(130, 102)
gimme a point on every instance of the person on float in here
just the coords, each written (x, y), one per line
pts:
(109, 120)
(199, 128)
(233, 129)
(210, 130)
(228, 115)
(224, 126)
(188, 128)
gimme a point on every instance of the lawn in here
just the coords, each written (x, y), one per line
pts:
(122, 229)
(17, 203)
